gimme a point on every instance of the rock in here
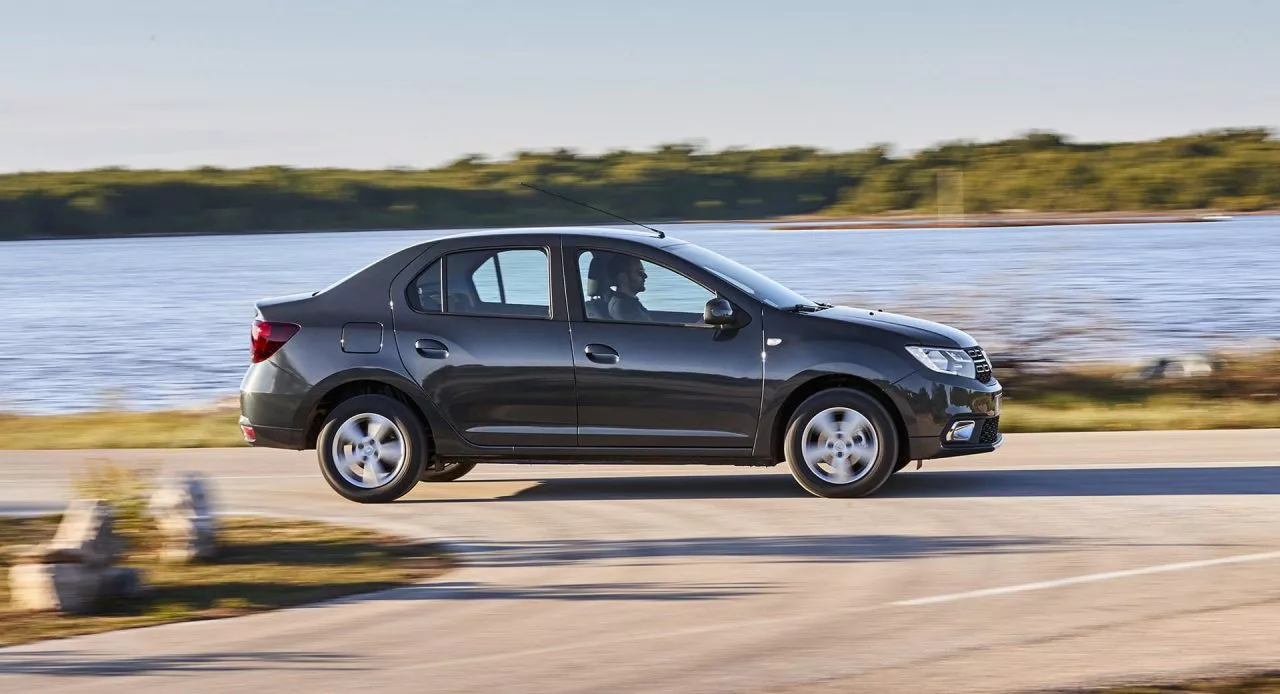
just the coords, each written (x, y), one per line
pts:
(1188, 366)
(120, 582)
(70, 587)
(75, 571)
(88, 528)
(45, 554)
(184, 516)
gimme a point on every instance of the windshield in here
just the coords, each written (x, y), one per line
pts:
(740, 276)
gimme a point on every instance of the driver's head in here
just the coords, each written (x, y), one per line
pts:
(628, 274)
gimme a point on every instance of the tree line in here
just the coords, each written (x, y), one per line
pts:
(1235, 169)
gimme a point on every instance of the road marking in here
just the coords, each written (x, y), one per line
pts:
(792, 618)
(262, 477)
(1087, 578)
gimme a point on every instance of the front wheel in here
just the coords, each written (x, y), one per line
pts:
(371, 449)
(841, 443)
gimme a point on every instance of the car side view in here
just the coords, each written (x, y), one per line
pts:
(602, 346)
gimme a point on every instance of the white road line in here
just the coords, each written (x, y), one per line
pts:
(1087, 578)
(264, 477)
(1005, 467)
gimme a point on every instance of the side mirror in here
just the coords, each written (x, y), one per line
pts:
(718, 312)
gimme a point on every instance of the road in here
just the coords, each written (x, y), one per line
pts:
(1062, 560)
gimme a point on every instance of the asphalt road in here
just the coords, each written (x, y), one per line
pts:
(1061, 560)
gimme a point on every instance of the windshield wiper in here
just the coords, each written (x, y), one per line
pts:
(805, 308)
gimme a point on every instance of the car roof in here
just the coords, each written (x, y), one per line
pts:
(642, 236)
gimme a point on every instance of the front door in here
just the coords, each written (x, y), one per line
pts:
(650, 373)
(484, 332)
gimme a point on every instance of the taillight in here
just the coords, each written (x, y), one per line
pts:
(268, 336)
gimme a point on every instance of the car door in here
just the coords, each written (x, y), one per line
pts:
(650, 373)
(484, 331)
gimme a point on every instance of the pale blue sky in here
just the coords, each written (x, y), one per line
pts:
(173, 84)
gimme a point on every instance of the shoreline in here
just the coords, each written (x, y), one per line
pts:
(908, 220)
(986, 223)
(1005, 219)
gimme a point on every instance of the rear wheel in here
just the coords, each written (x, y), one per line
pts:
(841, 443)
(446, 472)
(371, 448)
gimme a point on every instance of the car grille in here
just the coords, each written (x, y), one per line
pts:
(990, 431)
(981, 365)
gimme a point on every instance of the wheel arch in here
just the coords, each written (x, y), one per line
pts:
(827, 382)
(364, 382)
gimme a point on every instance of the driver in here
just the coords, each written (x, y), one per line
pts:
(628, 277)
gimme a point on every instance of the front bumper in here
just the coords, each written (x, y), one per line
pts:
(927, 447)
(934, 403)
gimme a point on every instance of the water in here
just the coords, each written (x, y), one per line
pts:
(149, 323)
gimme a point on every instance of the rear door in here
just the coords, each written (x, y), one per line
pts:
(484, 330)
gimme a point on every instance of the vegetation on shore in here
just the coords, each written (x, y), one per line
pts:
(263, 564)
(1243, 393)
(1234, 170)
(121, 429)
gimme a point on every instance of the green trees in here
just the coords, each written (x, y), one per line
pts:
(1043, 171)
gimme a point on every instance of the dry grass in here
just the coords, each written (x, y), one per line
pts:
(1160, 413)
(121, 430)
(1048, 412)
(263, 565)
(1263, 683)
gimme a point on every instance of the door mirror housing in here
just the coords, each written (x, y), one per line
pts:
(718, 311)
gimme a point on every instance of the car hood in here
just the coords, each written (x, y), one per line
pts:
(915, 330)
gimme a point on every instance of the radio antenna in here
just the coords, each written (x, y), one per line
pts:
(597, 209)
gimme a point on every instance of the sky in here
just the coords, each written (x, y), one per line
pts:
(377, 83)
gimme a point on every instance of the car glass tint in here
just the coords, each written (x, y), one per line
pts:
(744, 278)
(512, 282)
(424, 292)
(486, 280)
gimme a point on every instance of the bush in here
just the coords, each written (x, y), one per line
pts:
(128, 490)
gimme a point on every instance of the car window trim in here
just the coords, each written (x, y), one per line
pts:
(581, 299)
(497, 248)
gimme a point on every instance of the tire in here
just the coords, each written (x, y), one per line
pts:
(389, 425)
(863, 450)
(446, 473)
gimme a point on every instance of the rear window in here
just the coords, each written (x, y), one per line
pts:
(510, 282)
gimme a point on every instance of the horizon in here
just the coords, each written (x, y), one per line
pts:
(147, 85)
(894, 152)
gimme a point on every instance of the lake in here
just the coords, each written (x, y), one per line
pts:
(147, 323)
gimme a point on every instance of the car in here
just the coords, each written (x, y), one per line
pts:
(602, 345)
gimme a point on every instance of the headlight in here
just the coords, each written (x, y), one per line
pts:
(947, 361)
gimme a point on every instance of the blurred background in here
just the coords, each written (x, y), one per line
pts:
(1092, 190)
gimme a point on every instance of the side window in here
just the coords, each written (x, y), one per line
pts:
(424, 292)
(514, 282)
(622, 287)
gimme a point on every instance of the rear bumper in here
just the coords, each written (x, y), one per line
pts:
(271, 405)
(272, 437)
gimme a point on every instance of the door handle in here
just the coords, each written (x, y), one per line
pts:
(602, 354)
(431, 349)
